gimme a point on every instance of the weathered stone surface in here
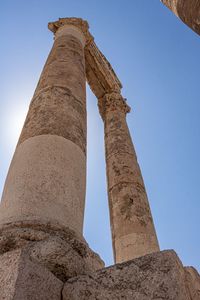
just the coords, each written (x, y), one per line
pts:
(21, 279)
(46, 181)
(56, 111)
(47, 176)
(65, 67)
(58, 105)
(133, 232)
(100, 75)
(57, 248)
(63, 259)
(192, 283)
(70, 24)
(41, 215)
(187, 10)
(152, 277)
(43, 200)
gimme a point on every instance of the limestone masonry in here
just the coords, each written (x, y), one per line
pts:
(43, 254)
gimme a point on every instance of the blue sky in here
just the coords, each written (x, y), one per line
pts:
(157, 60)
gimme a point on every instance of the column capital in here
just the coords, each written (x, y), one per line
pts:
(112, 102)
(74, 26)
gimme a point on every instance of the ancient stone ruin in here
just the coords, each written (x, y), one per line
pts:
(43, 254)
(187, 10)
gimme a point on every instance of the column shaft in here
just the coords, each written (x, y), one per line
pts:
(47, 176)
(133, 232)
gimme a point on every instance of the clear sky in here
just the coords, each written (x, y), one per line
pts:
(156, 58)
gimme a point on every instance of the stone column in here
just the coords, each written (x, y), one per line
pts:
(187, 10)
(133, 232)
(47, 177)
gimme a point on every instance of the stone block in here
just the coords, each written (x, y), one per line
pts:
(155, 276)
(21, 279)
(52, 246)
(192, 283)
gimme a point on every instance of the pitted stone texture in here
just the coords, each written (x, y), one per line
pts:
(133, 232)
(65, 25)
(123, 167)
(116, 127)
(46, 180)
(193, 283)
(21, 279)
(152, 277)
(56, 111)
(57, 248)
(187, 10)
(58, 106)
(112, 102)
(47, 176)
(100, 75)
(71, 30)
(132, 223)
(65, 260)
(65, 67)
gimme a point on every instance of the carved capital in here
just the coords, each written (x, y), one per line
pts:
(112, 102)
(79, 23)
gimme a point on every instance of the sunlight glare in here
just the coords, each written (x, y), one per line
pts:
(14, 122)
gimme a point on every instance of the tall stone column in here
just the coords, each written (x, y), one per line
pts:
(187, 10)
(133, 232)
(47, 177)
(42, 208)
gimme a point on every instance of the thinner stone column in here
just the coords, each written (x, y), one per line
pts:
(47, 177)
(133, 232)
(187, 10)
